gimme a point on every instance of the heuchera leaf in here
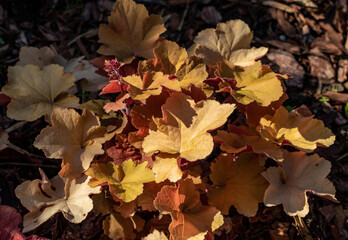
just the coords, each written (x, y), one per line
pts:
(229, 41)
(36, 92)
(156, 235)
(43, 198)
(236, 143)
(115, 226)
(125, 180)
(74, 138)
(183, 128)
(304, 133)
(189, 216)
(131, 32)
(9, 222)
(151, 83)
(172, 59)
(298, 174)
(166, 168)
(253, 83)
(237, 182)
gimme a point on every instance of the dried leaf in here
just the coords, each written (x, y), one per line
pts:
(298, 174)
(183, 128)
(237, 182)
(304, 133)
(131, 32)
(74, 138)
(36, 92)
(43, 198)
(230, 41)
(166, 168)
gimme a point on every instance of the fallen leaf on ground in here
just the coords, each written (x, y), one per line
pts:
(230, 41)
(44, 198)
(189, 216)
(237, 182)
(74, 138)
(183, 128)
(125, 180)
(298, 174)
(36, 92)
(131, 32)
(156, 235)
(304, 133)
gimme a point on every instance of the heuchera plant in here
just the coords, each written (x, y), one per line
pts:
(187, 137)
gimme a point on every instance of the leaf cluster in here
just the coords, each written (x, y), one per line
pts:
(185, 136)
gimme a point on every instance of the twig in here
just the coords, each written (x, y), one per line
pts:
(15, 126)
(181, 24)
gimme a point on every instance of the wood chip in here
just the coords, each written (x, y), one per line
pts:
(288, 64)
(321, 68)
(279, 6)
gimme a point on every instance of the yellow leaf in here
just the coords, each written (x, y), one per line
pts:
(253, 83)
(74, 138)
(172, 59)
(125, 181)
(131, 32)
(229, 41)
(237, 182)
(156, 235)
(183, 128)
(44, 198)
(299, 173)
(151, 83)
(36, 92)
(302, 132)
(166, 168)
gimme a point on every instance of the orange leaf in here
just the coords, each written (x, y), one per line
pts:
(237, 182)
(189, 216)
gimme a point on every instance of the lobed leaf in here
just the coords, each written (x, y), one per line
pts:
(131, 32)
(74, 138)
(36, 92)
(298, 174)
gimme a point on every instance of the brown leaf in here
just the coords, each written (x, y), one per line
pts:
(36, 92)
(131, 32)
(74, 138)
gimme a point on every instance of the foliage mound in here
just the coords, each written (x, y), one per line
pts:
(186, 134)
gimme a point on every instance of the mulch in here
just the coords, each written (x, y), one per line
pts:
(306, 39)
